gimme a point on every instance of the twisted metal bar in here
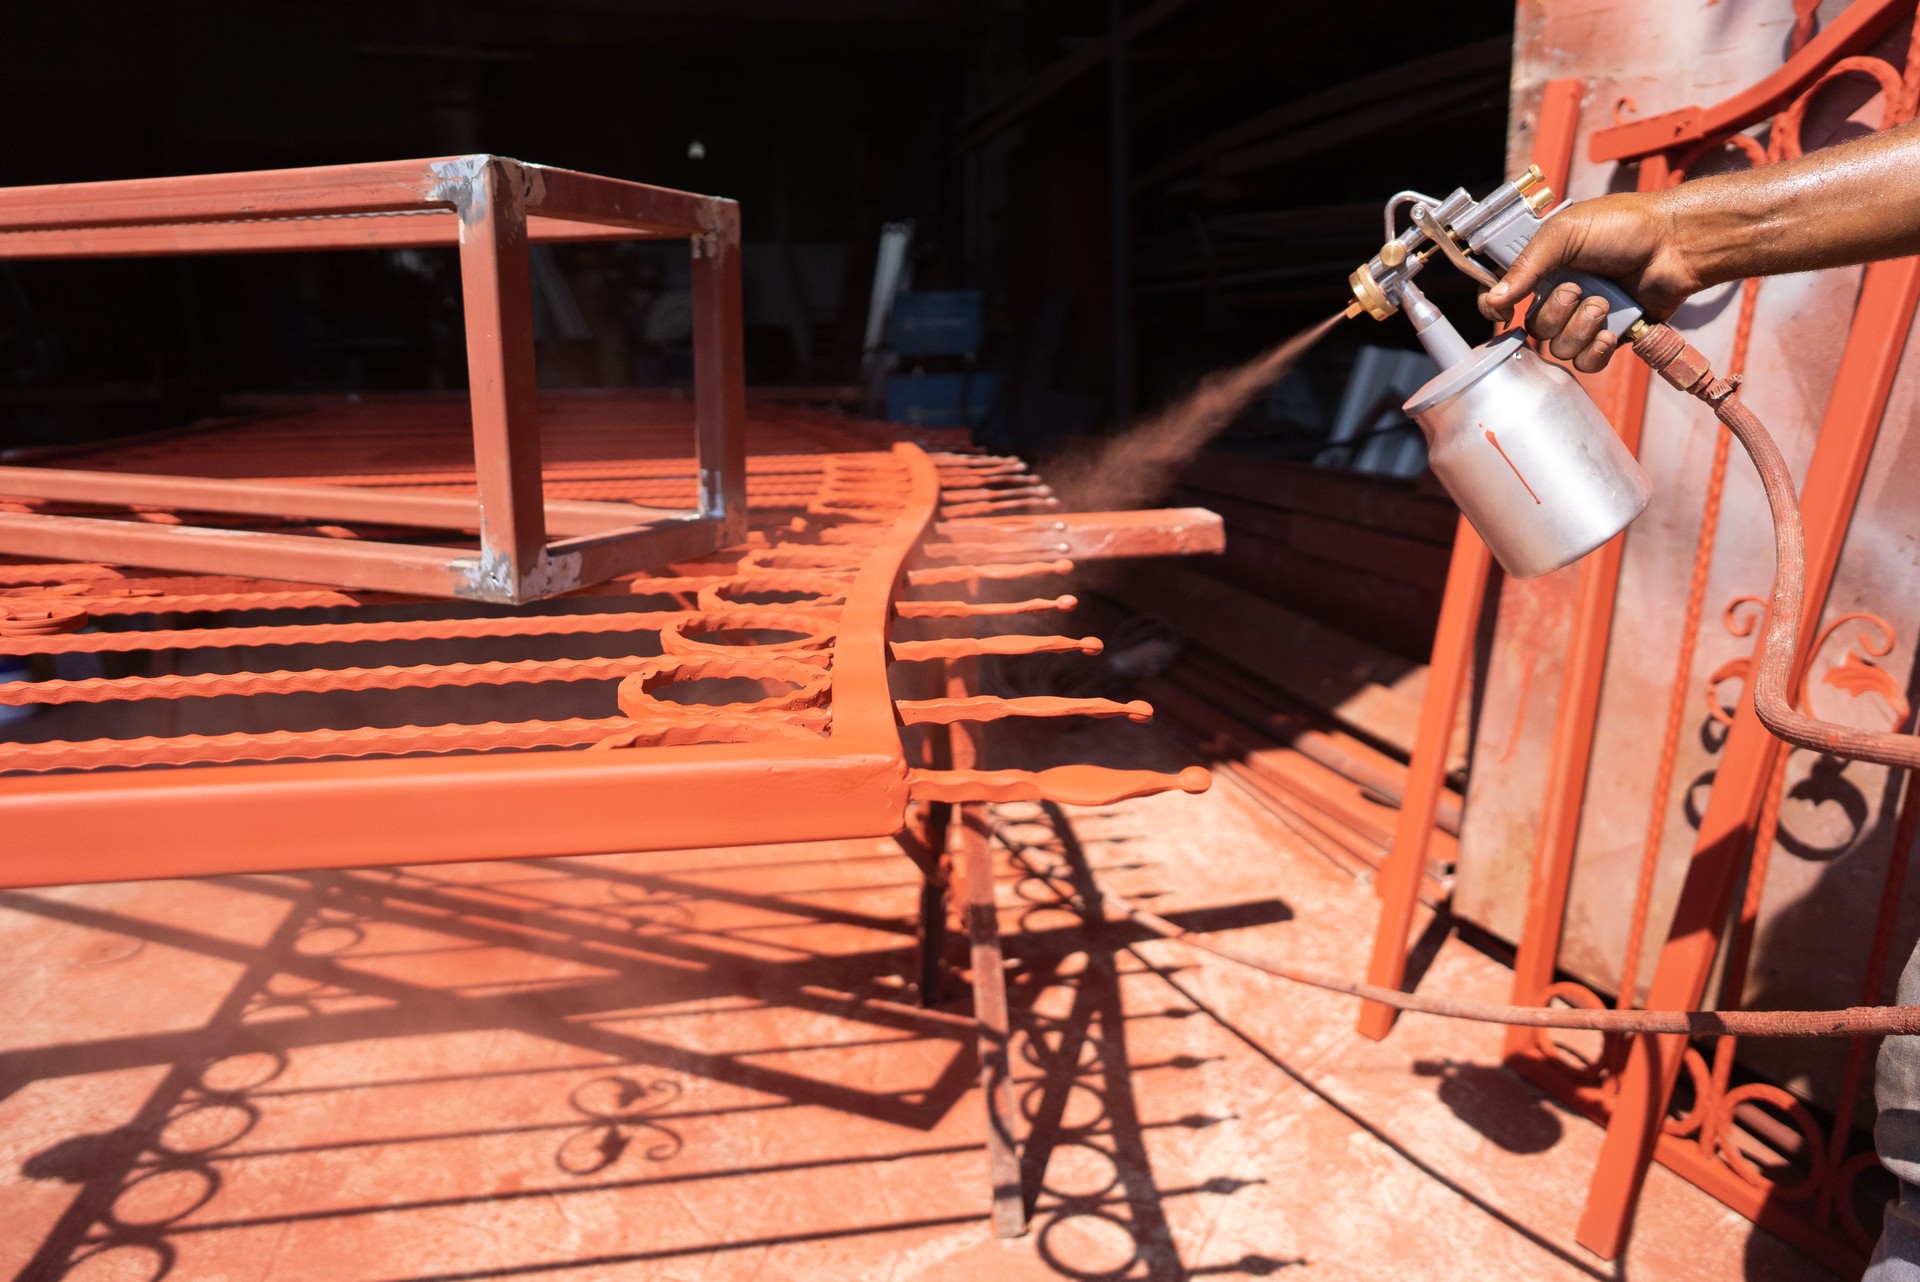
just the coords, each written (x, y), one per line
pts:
(982, 609)
(962, 573)
(1067, 785)
(988, 707)
(208, 685)
(306, 745)
(1007, 643)
(343, 633)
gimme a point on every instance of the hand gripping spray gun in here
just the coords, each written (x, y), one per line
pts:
(1531, 461)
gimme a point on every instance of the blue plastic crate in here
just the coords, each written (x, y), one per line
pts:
(937, 322)
(941, 400)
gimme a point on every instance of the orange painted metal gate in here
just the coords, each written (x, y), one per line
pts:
(1614, 682)
(763, 627)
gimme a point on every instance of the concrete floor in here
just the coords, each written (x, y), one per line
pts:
(706, 1065)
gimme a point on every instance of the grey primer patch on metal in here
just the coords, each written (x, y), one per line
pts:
(481, 578)
(460, 186)
(553, 574)
(719, 220)
(533, 183)
(489, 577)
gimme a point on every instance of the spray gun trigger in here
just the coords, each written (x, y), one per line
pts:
(1424, 219)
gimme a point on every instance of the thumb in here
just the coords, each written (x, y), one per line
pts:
(1550, 249)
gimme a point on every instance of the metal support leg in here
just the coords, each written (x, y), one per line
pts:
(497, 293)
(968, 841)
(719, 373)
(990, 1009)
(925, 841)
(1452, 658)
(933, 935)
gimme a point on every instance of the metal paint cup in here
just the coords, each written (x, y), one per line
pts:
(1531, 461)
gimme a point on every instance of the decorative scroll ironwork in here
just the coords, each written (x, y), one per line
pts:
(1761, 1149)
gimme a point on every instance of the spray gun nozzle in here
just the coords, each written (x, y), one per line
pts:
(1353, 309)
(1368, 296)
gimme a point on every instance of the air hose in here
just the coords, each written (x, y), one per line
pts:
(1682, 365)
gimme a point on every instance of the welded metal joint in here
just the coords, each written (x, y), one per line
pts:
(492, 577)
(462, 184)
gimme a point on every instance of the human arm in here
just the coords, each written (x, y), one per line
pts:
(1852, 203)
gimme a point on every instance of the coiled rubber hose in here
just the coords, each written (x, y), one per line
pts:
(1675, 360)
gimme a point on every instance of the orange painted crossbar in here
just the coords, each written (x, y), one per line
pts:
(1853, 30)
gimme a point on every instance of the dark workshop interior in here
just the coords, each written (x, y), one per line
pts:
(989, 126)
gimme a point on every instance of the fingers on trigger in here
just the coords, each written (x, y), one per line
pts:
(1551, 314)
(1580, 329)
(1594, 356)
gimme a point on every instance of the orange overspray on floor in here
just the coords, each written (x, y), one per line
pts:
(707, 1064)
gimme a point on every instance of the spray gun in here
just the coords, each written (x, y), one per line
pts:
(1534, 465)
(1514, 439)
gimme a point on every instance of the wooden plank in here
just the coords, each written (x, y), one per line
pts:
(1363, 686)
(1395, 616)
(1268, 712)
(1376, 503)
(1342, 542)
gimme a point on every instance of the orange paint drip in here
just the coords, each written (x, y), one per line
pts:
(1495, 442)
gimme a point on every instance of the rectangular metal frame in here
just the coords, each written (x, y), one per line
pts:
(490, 208)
